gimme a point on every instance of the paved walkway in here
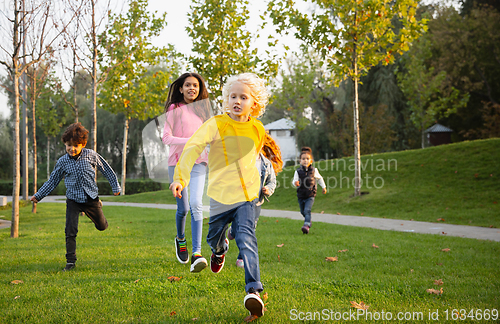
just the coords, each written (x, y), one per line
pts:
(481, 233)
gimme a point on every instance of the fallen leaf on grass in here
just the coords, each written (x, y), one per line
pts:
(322, 212)
(411, 270)
(195, 319)
(137, 281)
(173, 313)
(17, 297)
(444, 233)
(16, 282)
(280, 245)
(331, 259)
(250, 318)
(361, 305)
(435, 291)
(341, 251)
(265, 297)
(279, 260)
(440, 220)
(277, 220)
(438, 282)
(439, 264)
(338, 213)
(374, 246)
(174, 278)
(446, 250)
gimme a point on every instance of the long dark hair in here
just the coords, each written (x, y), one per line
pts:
(175, 96)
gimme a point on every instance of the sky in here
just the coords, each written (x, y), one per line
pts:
(175, 32)
(177, 21)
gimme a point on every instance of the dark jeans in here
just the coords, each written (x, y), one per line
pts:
(243, 222)
(93, 209)
(305, 209)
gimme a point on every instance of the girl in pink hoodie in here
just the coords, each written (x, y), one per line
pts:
(187, 108)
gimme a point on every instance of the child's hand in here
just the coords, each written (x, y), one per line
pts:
(324, 191)
(176, 188)
(297, 183)
(116, 193)
(33, 199)
(265, 191)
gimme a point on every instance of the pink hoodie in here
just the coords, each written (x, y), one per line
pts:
(181, 123)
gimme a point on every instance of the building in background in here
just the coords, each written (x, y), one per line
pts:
(283, 132)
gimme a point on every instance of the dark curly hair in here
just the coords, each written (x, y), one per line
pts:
(306, 150)
(75, 134)
(176, 97)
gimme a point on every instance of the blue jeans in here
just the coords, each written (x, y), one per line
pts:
(256, 215)
(305, 209)
(195, 204)
(243, 222)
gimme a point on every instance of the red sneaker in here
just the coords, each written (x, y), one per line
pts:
(217, 262)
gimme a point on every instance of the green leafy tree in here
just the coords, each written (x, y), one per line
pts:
(222, 45)
(131, 88)
(352, 36)
(428, 93)
(467, 48)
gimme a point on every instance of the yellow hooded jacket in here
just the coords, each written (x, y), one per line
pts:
(234, 147)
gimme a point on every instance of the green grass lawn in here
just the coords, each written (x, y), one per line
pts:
(459, 183)
(122, 273)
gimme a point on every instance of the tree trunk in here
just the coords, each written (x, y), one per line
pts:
(75, 107)
(124, 155)
(423, 138)
(357, 149)
(24, 122)
(48, 157)
(14, 227)
(35, 161)
(93, 141)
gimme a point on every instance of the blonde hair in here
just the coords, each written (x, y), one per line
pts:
(257, 88)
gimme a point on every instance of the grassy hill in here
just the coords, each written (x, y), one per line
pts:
(458, 183)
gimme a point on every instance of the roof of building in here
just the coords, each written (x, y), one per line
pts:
(280, 124)
(438, 128)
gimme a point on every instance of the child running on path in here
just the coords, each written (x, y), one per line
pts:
(306, 178)
(183, 117)
(269, 164)
(235, 138)
(78, 168)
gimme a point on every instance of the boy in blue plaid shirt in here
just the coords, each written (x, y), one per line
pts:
(78, 167)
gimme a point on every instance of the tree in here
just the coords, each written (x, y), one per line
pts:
(429, 94)
(352, 37)
(91, 17)
(467, 48)
(131, 88)
(37, 75)
(40, 33)
(222, 45)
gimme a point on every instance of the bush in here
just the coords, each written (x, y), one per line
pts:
(131, 187)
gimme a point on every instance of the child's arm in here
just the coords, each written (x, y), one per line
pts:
(168, 138)
(103, 166)
(295, 181)
(319, 180)
(55, 177)
(270, 182)
(192, 150)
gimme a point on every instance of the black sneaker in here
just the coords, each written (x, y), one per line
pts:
(181, 251)
(198, 262)
(69, 266)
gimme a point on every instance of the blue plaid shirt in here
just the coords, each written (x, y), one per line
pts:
(79, 176)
